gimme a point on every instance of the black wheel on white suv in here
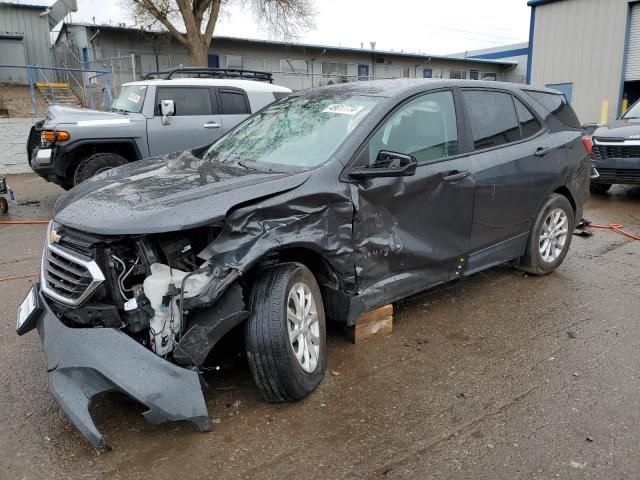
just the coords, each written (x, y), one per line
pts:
(285, 336)
(550, 237)
(95, 164)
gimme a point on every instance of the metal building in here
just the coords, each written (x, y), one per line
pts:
(24, 38)
(132, 52)
(589, 50)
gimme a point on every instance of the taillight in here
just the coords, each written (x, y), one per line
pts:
(587, 141)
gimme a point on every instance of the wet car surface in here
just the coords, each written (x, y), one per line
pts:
(480, 379)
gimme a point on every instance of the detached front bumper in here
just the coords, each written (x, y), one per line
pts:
(84, 362)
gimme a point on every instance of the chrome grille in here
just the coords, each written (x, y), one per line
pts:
(68, 278)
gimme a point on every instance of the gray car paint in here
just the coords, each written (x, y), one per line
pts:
(383, 238)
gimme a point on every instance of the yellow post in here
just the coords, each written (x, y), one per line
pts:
(625, 105)
(604, 113)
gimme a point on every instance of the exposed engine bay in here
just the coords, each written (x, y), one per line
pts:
(147, 286)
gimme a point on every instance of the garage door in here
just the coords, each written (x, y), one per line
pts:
(12, 53)
(633, 46)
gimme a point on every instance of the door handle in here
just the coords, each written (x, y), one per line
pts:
(212, 125)
(541, 151)
(455, 176)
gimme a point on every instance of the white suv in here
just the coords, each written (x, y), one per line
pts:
(151, 117)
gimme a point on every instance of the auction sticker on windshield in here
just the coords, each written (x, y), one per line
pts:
(133, 97)
(343, 109)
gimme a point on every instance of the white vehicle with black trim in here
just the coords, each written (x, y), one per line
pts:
(151, 117)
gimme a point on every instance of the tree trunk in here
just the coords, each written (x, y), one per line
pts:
(198, 54)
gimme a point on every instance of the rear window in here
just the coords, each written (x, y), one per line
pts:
(233, 102)
(556, 104)
(529, 126)
(493, 118)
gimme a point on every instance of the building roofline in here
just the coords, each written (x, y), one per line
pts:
(23, 5)
(535, 3)
(300, 45)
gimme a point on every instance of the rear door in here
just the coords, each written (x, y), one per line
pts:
(196, 121)
(234, 106)
(516, 163)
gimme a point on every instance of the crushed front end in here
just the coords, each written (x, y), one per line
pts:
(134, 314)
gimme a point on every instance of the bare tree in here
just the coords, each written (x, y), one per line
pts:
(192, 22)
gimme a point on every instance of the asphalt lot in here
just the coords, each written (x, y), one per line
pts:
(480, 379)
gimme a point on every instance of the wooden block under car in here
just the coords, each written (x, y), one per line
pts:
(371, 324)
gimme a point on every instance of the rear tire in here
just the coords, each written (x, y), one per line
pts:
(4, 205)
(550, 237)
(97, 163)
(599, 188)
(282, 369)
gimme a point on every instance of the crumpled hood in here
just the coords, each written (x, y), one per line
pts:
(620, 129)
(58, 114)
(169, 193)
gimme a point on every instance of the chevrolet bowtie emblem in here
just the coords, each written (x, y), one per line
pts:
(54, 237)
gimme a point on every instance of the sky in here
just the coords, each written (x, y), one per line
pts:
(425, 26)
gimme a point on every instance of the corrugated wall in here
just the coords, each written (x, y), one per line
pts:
(582, 42)
(35, 29)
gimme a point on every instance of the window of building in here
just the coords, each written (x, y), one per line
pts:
(493, 118)
(233, 102)
(489, 76)
(459, 74)
(293, 66)
(425, 128)
(529, 126)
(474, 74)
(334, 69)
(187, 100)
(234, 61)
(427, 73)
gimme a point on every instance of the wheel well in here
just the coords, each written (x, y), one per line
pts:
(319, 266)
(125, 149)
(564, 191)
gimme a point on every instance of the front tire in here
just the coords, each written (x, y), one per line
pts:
(97, 163)
(285, 336)
(550, 237)
(599, 188)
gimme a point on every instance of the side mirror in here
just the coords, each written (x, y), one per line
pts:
(168, 109)
(387, 164)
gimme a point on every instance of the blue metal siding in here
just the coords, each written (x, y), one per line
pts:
(532, 27)
(518, 52)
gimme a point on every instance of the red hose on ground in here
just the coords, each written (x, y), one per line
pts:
(616, 227)
(24, 222)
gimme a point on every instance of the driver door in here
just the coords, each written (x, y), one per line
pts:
(412, 232)
(196, 122)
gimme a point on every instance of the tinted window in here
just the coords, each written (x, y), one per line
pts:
(529, 126)
(493, 118)
(556, 104)
(233, 103)
(188, 101)
(424, 127)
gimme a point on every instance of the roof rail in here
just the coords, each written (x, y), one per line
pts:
(213, 73)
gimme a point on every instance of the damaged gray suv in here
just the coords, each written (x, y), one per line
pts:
(321, 206)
